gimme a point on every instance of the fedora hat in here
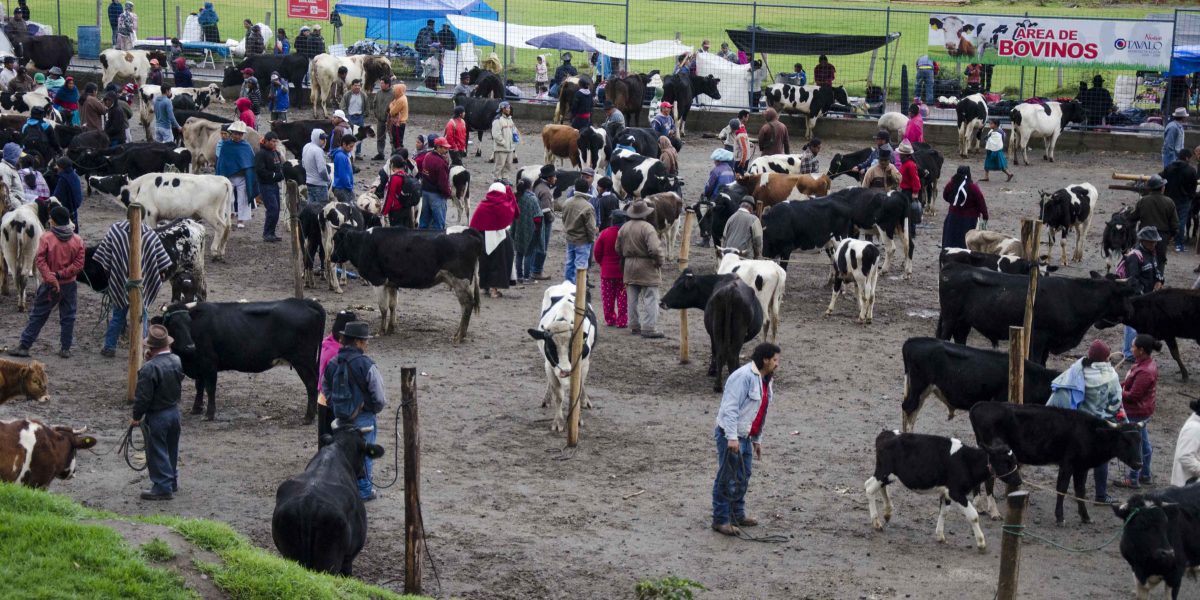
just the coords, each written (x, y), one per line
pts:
(340, 321)
(639, 210)
(237, 127)
(1180, 113)
(905, 148)
(158, 338)
(357, 330)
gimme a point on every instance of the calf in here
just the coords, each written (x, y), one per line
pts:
(1168, 314)
(554, 338)
(17, 379)
(320, 520)
(592, 143)
(939, 465)
(772, 188)
(20, 231)
(854, 261)
(972, 115)
(1001, 263)
(184, 196)
(1119, 237)
(785, 164)
(994, 242)
(732, 315)
(767, 279)
(961, 376)
(1069, 208)
(460, 184)
(248, 337)
(1044, 435)
(336, 216)
(1161, 537)
(33, 454)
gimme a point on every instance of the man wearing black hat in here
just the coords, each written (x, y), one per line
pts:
(543, 188)
(269, 172)
(354, 390)
(1181, 181)
(882, 142)
(156, 410)
(116, 123)
(59, 260)
(1157, 211)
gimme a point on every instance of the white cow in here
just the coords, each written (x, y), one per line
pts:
(1033, 120)
(125, 64)
(1069, 208)
(767, 279)
(166, 196)
(856, 261)
(323, 74)
(20, 232)
(200, 137)
(553, 335)
(894, 123)
(994, 242)
(811, 101)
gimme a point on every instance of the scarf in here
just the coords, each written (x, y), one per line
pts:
(63, 232)
(496, 212)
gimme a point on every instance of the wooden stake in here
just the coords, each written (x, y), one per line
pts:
(134, 292)
(1032, 245)
(1130, 177)
(293, 205)
(684, 248)
(414, 528)
(1016, 365)
(1010, 546)
(576, 352)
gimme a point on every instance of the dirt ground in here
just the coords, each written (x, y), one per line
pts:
(509, 515)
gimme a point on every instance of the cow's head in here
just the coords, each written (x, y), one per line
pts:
(93, 272)
(951, 27)
(75, 441)
(233, 77)
(33, 381)
(706, 85)
(686, 292)
(214, 93)
(1129, 443)
(376, 68)
(473, 75)
(554, 335)
(1072, 112)
(1054, 209)
(182, 159)
(1149, 523)
(1003, 464)
(368, 202)
(350, 442)
(184, 286)
(345, 245)
(177, 318)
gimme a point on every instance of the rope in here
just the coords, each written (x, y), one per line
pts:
(1063, 494)
(396, 452)
(732, 483)
(126, 446)
(131, 284)
(1019, 531)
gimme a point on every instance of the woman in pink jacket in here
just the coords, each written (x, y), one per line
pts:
(329, 349)
(915, 131)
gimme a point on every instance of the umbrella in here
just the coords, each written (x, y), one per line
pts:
(561, 41)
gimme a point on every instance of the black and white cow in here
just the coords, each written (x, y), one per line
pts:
(1161, 537)
(811, 101)
(972, 115)
(787, 164)
(1046, 121)
(1120, 234)
(643, 140)
(961, 376)
(183, 240)
(807, 225)
(591, 144)
(1069, 208)
(637, 176)
(460, 184)
(732, 315)
(554, 339)
(856, 261)
(960, 36)
(767, 279)
(1072, 439)
(1001, 263)
(942, 466)
(336, 216)
(885, 213)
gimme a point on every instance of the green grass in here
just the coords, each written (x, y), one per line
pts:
(47, 552)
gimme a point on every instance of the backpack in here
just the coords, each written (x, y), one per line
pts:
(1122, 272)
(36, 136)
(341, 398)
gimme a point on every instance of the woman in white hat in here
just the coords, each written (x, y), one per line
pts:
(1173, 136)
(236, 162)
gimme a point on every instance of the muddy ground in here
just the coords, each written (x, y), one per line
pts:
(511, 516)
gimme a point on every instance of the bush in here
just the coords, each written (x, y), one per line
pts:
(157, 550)
(667, 588)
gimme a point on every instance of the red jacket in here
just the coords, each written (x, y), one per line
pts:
(1139, 388)
(55, 256)
(605, 252)
(393, 201)
(456, 134)
(435, 174)
(909, 178)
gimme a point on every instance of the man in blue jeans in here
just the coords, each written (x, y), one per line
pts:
(748, 393)
(113, 256)
(435, 186)
(156, 410)
(579, 228)
(924, 87)
(354, 389)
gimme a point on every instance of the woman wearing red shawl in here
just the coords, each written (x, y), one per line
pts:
(245, 114)
(493, 217)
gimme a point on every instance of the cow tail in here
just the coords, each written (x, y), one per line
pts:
(475, 289)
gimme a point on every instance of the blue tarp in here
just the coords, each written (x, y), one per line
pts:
(407, 17)
(1185, 60)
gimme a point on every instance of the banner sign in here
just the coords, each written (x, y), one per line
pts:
(308, 9)
(1035, 41)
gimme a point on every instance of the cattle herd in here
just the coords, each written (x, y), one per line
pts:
(981, 288)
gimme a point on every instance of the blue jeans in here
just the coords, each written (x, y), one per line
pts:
(357, 120)
(553, 91)
(1147, 451)
(318, 194)
(577, 260)
(525, 257)
(366, 419)
(162, 449)
(539, 253)
(1127, 345)
(1168, 156)
(433, 211)
(43, 303)
(164, 135)
(1183, 210)
(726, 507)
(270, 197)
(116, 325)
(924, 86)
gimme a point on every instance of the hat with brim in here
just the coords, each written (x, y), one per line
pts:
(1155, 182)
(158, 338)
(1180, 113)
(357, 330)
(340, 114)
(639, 210)
(237, 127)
(617, 217)
(340, 321)
(55, 71)
(905, 148)
(441, 143)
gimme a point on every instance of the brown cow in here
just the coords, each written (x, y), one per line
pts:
(561, 141)
(665, 219)
(773, 188)
(33, 454)
(18, 379)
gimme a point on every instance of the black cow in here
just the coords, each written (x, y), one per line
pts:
(930, 463)
(810, 101)
(48, 51)
(1120, 234)
(1044, 435)
(480, 112)
(183, 102)
(639, 176)
(929, 167)
(183, 115)
(680, 91)
(312, 242)
(1001, 263)
(643, 140)
(1168, 314)
(1064, 310)
(728, 200)
(487, 84)
(395, 257)
(88, 140)
(849, 161)
(320, 520)
(1068, 208)
(248, 337)
(295, 134)
(961, 376)
(1161, 537)
(732, 315)
(151, 159)
(806, 225)
(291, 67)
(626, 93)
(183, 240)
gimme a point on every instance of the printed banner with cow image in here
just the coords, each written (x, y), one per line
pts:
(1036, 41)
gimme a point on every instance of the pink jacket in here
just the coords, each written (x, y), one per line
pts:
(329, 349)
(915, 132)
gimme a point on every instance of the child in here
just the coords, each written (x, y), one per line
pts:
(541, 75)
(741, 145)
(1138, 390)
(279, 98)
(996, 160)
(35, 188)
(612, 282)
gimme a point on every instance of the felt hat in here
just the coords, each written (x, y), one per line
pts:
(357, 330)
(639, 210)
(618, 217)
(237, 127)
(882, 135)
(1156, 181)
(590, 172)
(905, 148)
(158, 338)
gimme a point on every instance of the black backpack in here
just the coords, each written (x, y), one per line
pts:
(341, 398)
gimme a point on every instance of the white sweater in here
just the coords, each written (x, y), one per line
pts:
(1187, 452)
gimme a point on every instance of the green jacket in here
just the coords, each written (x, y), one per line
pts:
(377, 106)
(1158, 211)
(579, 220)
(522, 227)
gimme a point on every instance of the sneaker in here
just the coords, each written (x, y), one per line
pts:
(108, 352)
(151, 495)
(18, 351)
(725, 529)
(1126, 483)
(653, 335)
(746, 522)
(272, 239)
(64, 353)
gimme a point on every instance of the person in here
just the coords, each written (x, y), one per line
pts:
(504, 135)
(127, 26)
(543, 188)
(1185, 468)
(742, 57)
(115, 10)
(176, 52)
(642, 256)
(208, 24)
(33, 185)
(165, 124)
(279, 98)
(683, 64)
(395, 207)
(377, 110)
(8, 175)
(1141, 268)
(354, 104)
(974, 74)
(924, 85)
(494, 215)
(316, 41)
(23, 82)
(156, 75)
(581, 106)
(67, 101)
(397, 116)
(338, 89)
(614, 120)
(605, 202)
(741, 146)
(117, 122)
(773, 135)
(727, 54)
(1157, 211)
(113, 256)
(156, 411)
(883, 174)
(910, 179)
(59, 261)
(39, 80)
(724, 134)
(541, 75)
(667, 156)
(353, 388)
(967, 205)
(67, 188)
(343, 169)
(1138, 391)
(92, 110)
(756, 82)
(526, 230)
(1098, 102)
(316, 171)
(580, 231)
(283, 46)
(1173, 136)
(1091, 385)
(329, 349)
(236, 162)
(22, 10)
(743, 231)
(1181, 181)
(825, 72)
(914, 132)
(432, 66)
(254, 39)
(268, 171)
(446, 37)
(456, 135)
(721, 173)
(435, 186)
(254, 95)
(798, 76)
(244, 107)
(183, 75)
(464, 85)
(995, 160)
(882, 142)
(54, 81)
(748, 394)
(425, 36)
(612, 283)
(9, 72)
(341, 127)
(303, 43)
(564, 70)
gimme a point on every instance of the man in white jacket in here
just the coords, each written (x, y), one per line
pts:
(1186, 467)
(316, 171)
(503, 131)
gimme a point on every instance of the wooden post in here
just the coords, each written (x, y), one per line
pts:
(178, 21)
(1016, 365)
(414, 528)
(1130, 177)
(293, 206)
(758, 208)
(1031, 232)
(134, 292)
(1010, 546)
(576, 352)
(684, 248)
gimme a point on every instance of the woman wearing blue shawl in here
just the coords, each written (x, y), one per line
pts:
(236, 161)
(208, 23)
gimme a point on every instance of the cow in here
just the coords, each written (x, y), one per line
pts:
(961, 376)
(18, 379)
(292, 67)
(133, 65)
(767, 279)
(728, 200)
(33, 454)
(1046, 121)
(396, 257)
(295, 134)
(772, 188)
(894, 123)
(972, 116)
(248, 337)
(561, 141)
(1001, 263)
(479, 114)
(929, 168)
(856, 261)
(789, 164)
(48, 51)
(810, 101)
(637, 176)
(201, 96)
(182, 196)
(732, 315)
(183, 116)
(20, 232)
(200, 137)
(334, 217)
(885, 213)
(323, 74)
(817, 223)
(312, 244)
(643, 140)
(487, 84)
(1071, 207)
(591, 147)
(1064, 310)
(140, 160)
(994, 242)
(627, 94)
(939, 465)
(1072, 439)
(1120, 235)
(1168, 314)
(1160, 538)
(668, 207)
(22, 102)
(460, 184)
(681, 91)
(554, 335)
(319, 519)
(566, 93)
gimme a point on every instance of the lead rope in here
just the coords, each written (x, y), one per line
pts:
(732, 484)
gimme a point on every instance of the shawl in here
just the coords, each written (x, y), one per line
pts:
(668, 155)
(496, 211)
(237, 158)
(113, 255)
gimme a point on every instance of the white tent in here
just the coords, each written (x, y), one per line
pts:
(735, 80)
(494, 32)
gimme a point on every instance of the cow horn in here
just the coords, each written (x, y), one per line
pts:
(79, 431)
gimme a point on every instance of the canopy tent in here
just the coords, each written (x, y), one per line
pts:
(407, 17)
(1185, 58)
(518, 35)
(735, 80)
(806, 44)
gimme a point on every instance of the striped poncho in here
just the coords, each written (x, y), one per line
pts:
(113, 255)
